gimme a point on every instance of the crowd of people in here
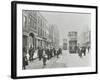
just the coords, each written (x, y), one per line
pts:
(83, 51)
(43, 54)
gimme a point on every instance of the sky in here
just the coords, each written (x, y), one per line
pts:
(66, 22)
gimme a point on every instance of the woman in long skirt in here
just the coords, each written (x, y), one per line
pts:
(44, 57)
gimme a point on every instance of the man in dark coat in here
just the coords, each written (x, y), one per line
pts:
(51, 51)
(48, 53)
(58, 52)
(54, 52)
(40, 53)
(84, 51)
(25, 61)
(31, 53)
(80, 52)
(30, 49)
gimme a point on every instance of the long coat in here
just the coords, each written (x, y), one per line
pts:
(40, 52)
(80, 52)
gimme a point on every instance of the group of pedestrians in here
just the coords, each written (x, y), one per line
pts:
(82, 51)
(43, 54)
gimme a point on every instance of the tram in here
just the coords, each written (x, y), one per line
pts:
(73, 46)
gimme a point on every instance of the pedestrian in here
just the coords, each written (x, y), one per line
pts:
(48, 53)
(54, 52)
(30, 54)
(25, 61)
(60, 50)
(88, 49)
(35, 53)
(51, 52)
(83, 50)
(57, 53)
(24, 64)
(40, 53)
(80, 52)
(44, 57)
(27, 55)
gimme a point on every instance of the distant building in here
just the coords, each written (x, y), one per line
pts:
(54, 36)
(72, 41)
(85, 39)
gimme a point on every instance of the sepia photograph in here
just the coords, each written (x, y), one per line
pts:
(53, 39)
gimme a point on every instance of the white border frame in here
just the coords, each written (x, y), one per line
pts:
(36, 72)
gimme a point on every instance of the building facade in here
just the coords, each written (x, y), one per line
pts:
(29, 24)
(37, 32)
(85, 39)
(72, 41)
(34, 29)
(42, 31)
(54, 36)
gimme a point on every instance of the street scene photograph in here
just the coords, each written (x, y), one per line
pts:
(52, 39)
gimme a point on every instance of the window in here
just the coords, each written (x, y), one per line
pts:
(25, 21)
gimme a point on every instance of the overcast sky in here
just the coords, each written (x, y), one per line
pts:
(68, 22)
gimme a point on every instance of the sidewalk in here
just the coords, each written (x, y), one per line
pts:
(36, 64)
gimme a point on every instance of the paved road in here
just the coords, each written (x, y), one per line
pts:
(65, 60)
(73, 60)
